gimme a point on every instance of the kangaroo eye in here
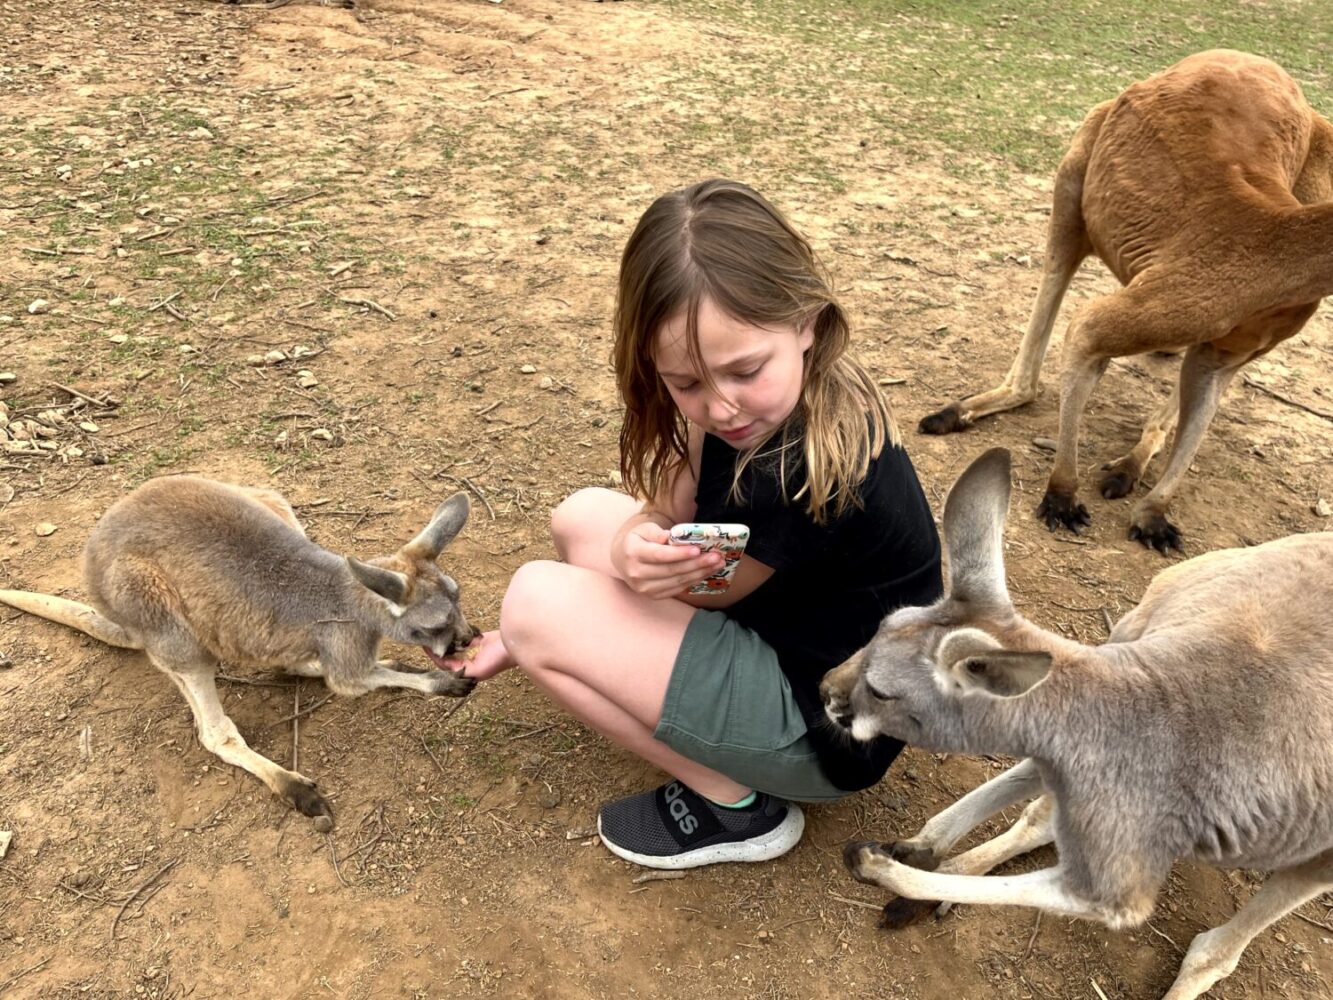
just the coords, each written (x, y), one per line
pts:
(880, 694)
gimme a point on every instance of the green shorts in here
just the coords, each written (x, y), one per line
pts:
(729, 707)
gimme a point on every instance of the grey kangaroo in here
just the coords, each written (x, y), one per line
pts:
(194, 572)
(1201, 729)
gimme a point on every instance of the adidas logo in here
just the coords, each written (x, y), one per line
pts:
(680, 812)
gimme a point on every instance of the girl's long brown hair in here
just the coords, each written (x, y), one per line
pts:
(722, 240)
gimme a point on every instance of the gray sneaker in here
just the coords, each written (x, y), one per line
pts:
(675, 827)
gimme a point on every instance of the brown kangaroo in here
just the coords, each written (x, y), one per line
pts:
(1207, 189)
(194, 572)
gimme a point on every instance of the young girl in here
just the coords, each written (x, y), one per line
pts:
(741, 405)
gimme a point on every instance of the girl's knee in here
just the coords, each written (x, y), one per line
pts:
(583, 513)
(524, 612)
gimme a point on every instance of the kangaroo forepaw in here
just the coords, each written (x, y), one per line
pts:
(859, 857)
(1118, 482)
(945, 421)
(910, 854)
(302, 796)
(453, 685)
(1155, 532)
(901, 912)
(1058, 510)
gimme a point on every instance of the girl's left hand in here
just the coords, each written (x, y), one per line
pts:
(486, 657)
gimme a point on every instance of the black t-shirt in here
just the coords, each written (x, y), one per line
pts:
(832, 584)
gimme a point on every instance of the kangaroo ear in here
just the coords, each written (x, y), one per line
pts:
(974, 514)
(962, 643)
(388, 584)
(1003, 673)
(447, 522)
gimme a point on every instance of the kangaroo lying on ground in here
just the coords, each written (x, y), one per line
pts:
(195, 572)
(1201, 729)
(1207, 190)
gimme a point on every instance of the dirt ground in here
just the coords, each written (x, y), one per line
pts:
(421, 204)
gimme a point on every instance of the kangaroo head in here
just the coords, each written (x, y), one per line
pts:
(913, 679)
(421, 601)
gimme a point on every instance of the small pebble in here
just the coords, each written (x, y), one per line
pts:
(321, 434)
(529, 369)
(1045, 444)
(45, 528)
(38, 306)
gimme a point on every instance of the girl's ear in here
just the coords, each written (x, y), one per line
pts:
(806, 334)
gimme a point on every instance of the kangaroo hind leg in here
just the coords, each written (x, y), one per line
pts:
(192, 668)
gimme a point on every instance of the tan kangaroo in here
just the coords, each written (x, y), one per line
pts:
(1202, 729)
(195, 572)
(1207, 189)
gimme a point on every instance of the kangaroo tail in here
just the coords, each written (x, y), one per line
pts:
(73, 614)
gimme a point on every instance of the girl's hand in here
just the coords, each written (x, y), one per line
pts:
(484, 657)
(651, 567)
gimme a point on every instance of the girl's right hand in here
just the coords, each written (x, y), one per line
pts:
(652, 567)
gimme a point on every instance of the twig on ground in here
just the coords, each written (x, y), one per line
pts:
(135, 894)
(656, 876)
(1317, 923)
(1032, 939)
(79, 395)
(1166, 937)
(296, 727)
(369, 304)
(19, 975)
(218, 291)
(256, 682)
(328, 839)
(1286, 399)
(425, 746)
(303, 711)
(856, 902)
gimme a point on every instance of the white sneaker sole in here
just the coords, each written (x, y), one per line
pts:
(777, 842)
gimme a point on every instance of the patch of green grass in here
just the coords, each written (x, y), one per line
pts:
(990, 75)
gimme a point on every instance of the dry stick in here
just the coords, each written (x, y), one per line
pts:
(1036, 926)
(656, 876)
(1317, 923)
(15, 978)
(1165, 937)
(369, 304)
(217, 291)
(1098, 989)
(296, 726)
(135, 894)
(252, 682)
(425, 746)
(1286, 399)
(856, 902)
(169, 298)
(1106, 617)
(328, 839)
(304, 711)
(78, 395)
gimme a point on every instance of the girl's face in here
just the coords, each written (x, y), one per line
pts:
(756, 371)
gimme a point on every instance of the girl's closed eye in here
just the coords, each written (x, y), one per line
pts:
(747, 376)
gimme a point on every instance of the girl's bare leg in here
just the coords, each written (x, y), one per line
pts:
(601, 652)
